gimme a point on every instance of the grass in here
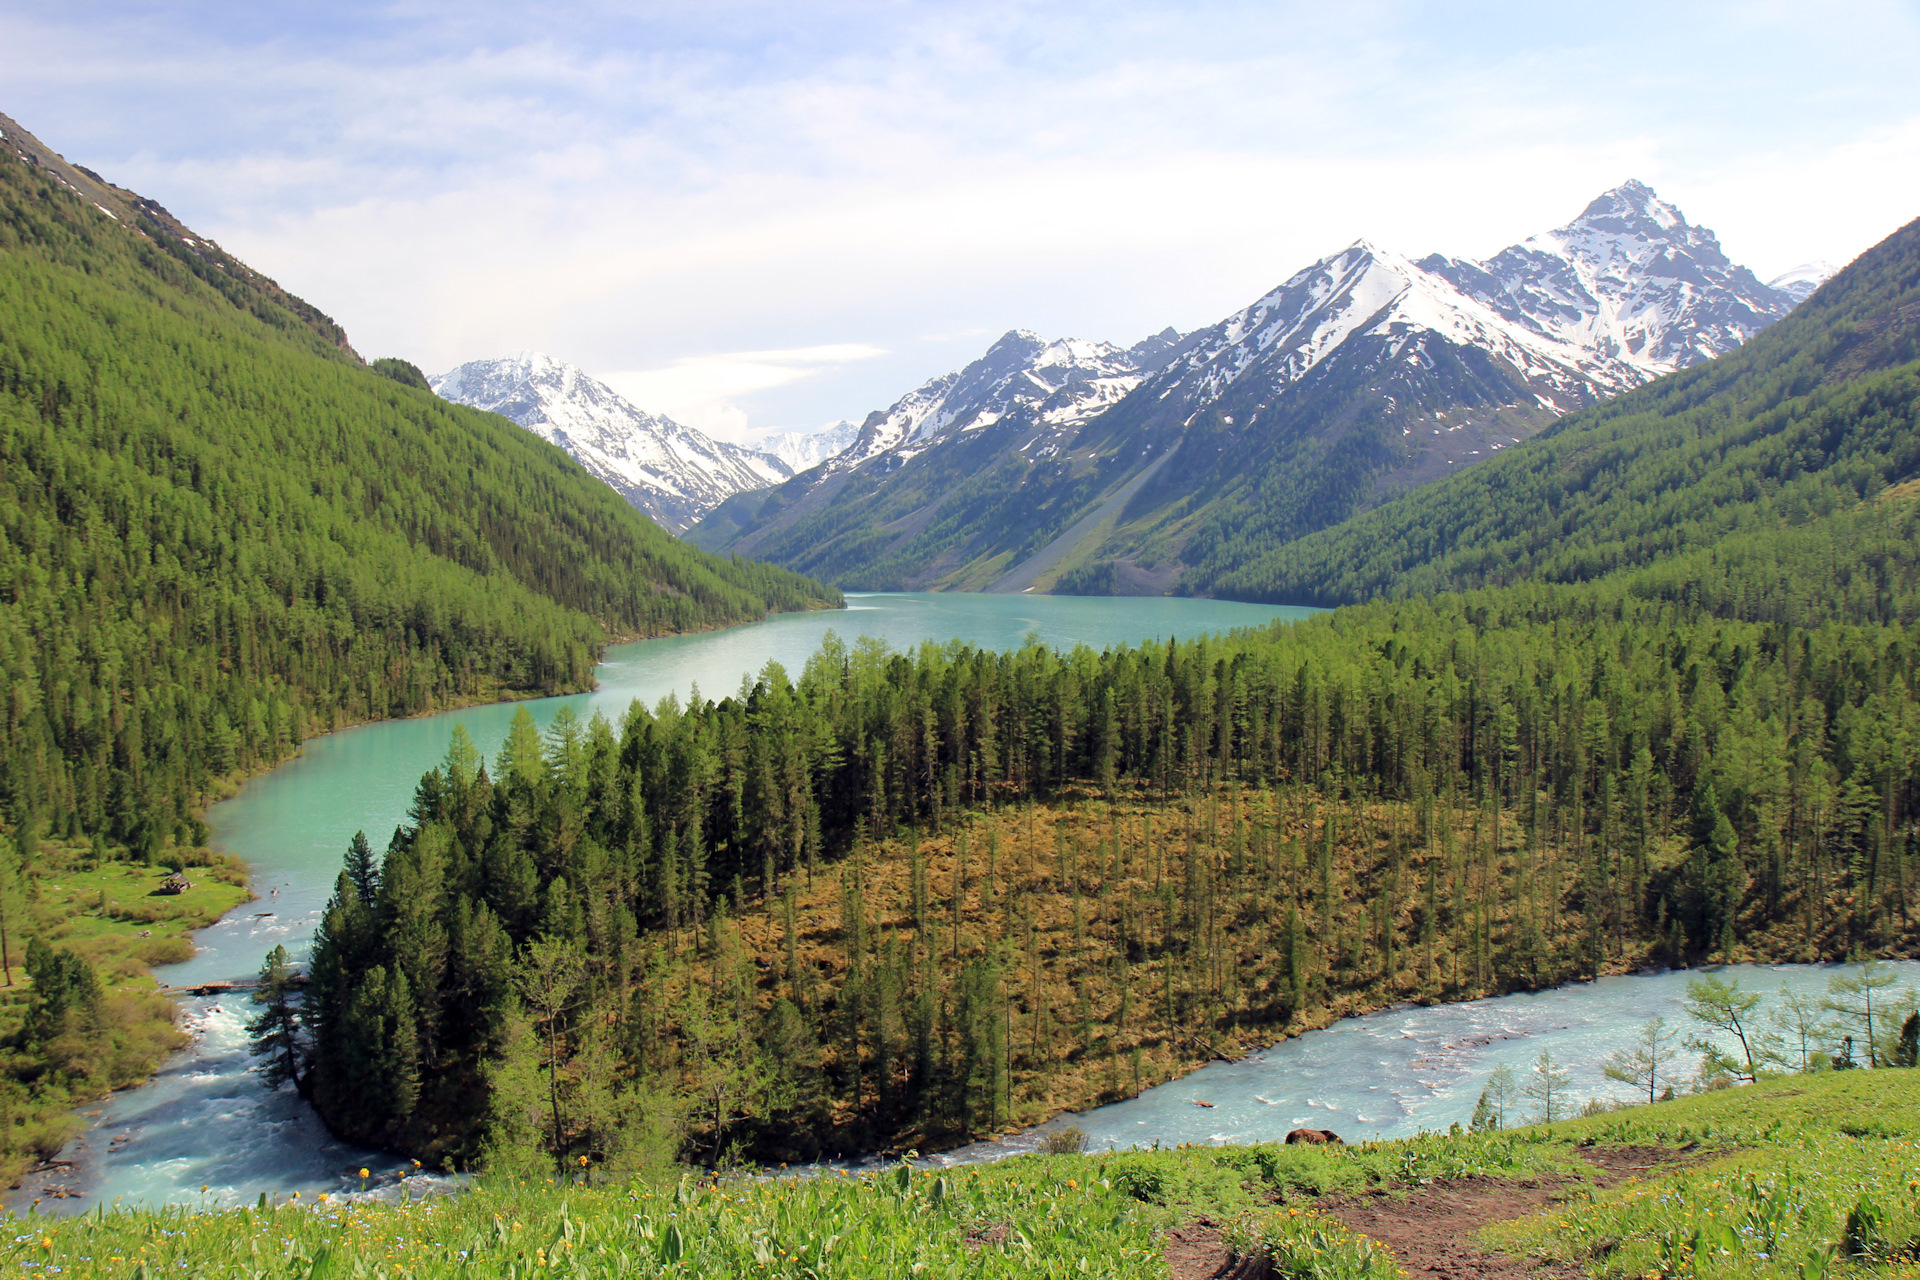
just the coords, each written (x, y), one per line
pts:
(1802, 1179)
(112, 915)
(1038, 1216)
(1819, 1175)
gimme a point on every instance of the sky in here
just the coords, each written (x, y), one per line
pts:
(759, 216)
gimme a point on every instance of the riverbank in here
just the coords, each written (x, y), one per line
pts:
(120, 919)
(100, 901)
(1768, 1180)
(1106, 945)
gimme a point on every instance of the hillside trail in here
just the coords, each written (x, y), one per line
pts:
(1432, 1230)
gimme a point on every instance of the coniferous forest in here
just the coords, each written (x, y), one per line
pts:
(902, 899)
(221, 534)
(908, 898)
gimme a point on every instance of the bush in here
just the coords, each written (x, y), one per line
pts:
(1070, 1141)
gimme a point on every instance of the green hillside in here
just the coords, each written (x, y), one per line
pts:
(1808, 420)
(220, 533)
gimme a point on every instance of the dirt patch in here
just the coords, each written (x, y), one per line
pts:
(1616, 1165)
(1433, 1230)
(1196, 1252)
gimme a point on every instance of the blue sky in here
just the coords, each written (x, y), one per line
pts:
(775, 215)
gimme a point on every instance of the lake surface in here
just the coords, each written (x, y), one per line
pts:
(206, 1122)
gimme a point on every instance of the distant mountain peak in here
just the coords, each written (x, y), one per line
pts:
(1629, 281)
(1060, 381)
(666, 469)
(1801, 281)
(1632, 201)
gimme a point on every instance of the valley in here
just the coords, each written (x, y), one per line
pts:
(1417, 774)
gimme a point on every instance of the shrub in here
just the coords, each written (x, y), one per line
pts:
(1070, 1141)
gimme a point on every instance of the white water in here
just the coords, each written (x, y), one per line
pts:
(1407, 1070)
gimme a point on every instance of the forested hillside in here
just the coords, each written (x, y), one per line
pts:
(908, 899)
(220, 533)
(1807, 420)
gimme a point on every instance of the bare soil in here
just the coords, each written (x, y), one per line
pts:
(1196, 1252)
(1433, 1230)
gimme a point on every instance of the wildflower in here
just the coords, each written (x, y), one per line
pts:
(363, 1173)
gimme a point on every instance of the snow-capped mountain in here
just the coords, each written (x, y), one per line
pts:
(803, 450)
(1063, 382)
(1368, 296)
(1469, 357)
(1800, 282)
(1363, 375)
(1630, 281)
(669, 471)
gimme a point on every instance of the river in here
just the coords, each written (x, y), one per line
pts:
(205, 1131)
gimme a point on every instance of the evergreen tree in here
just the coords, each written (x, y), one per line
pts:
(1647, 1062)
(274, 1035)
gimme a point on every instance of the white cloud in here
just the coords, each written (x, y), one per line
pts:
(701, 391)
(681, 192)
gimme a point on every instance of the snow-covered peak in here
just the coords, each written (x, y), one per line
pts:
(803, 450)
(1631, 207)
(1630, 280)
(667, 470)
(1800, 282)
(1369, 291)
(1062, 382)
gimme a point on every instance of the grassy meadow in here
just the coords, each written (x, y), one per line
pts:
(1793, 1178)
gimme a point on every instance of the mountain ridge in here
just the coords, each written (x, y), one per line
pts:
(666, 470)
(1363, 375)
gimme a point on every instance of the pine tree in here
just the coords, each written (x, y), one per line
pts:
(274, 1035)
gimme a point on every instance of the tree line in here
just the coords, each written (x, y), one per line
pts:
(220, 535)
(905, 896)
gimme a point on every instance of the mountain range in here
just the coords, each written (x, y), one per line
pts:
(1077, 465)
(668, 471)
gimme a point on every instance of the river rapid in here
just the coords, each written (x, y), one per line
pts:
(205, 1132)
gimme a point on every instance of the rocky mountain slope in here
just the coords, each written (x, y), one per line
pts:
(668, 471)
(1363, 375)
(1030, 391)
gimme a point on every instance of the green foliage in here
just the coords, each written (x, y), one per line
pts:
(219, 535)
(1800, 1175)
(1422, 799)
(401, 371)
(1648, 1062)
(274, 1034)
(1819, 1169)
(1495, 1109)
(1722, 1006)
